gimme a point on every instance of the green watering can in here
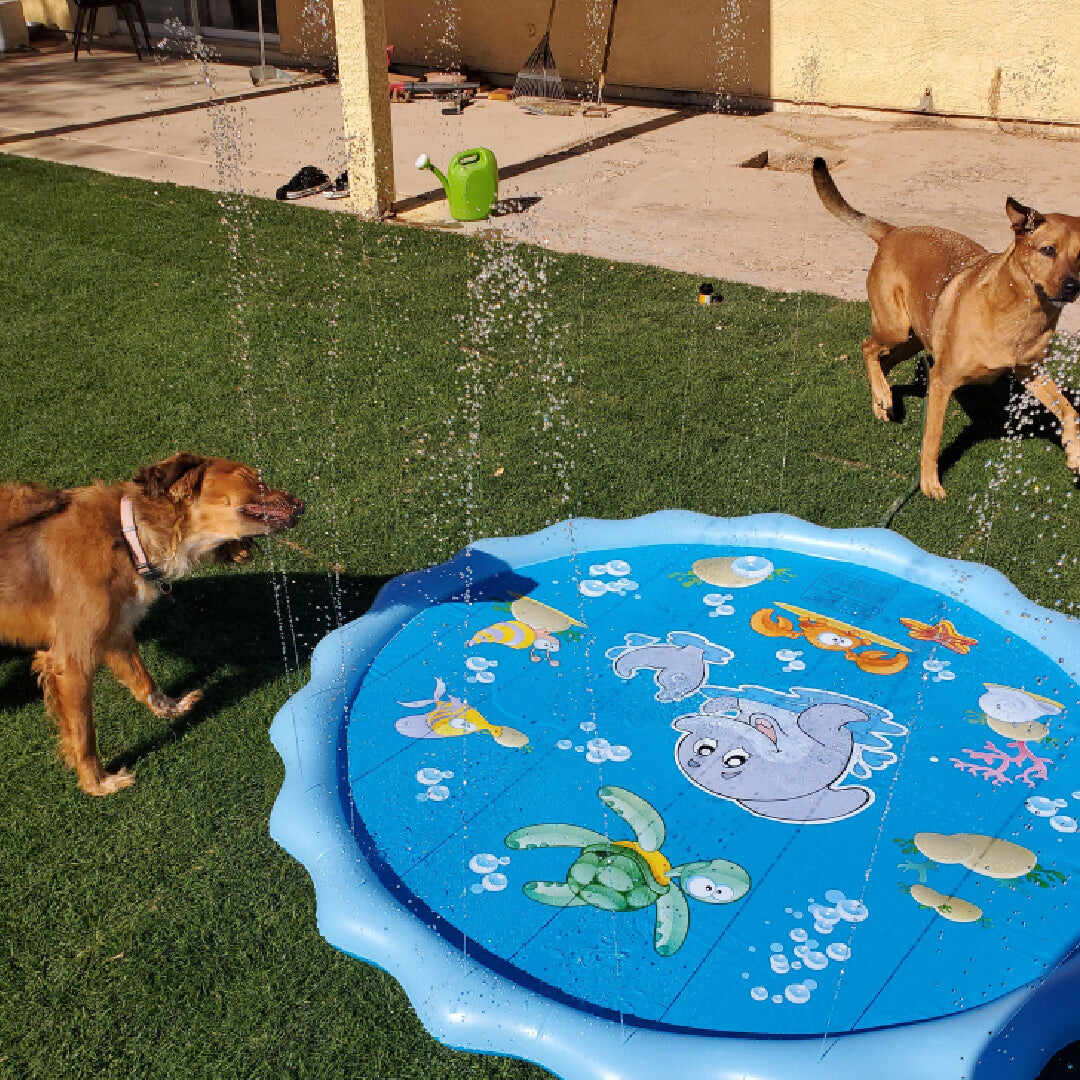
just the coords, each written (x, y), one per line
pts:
(471, 183)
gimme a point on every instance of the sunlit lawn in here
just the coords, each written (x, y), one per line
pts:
(160, 932)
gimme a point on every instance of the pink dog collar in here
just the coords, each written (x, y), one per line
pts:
(143, 566)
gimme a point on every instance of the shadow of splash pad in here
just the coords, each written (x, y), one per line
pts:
(746, 795)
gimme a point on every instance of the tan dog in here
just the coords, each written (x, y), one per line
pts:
(79, 568)
(979, 315)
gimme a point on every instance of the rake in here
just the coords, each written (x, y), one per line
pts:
(539, 78)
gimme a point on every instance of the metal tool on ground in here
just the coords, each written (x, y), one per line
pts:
(266, 73)
(598, 109)
(539, 78)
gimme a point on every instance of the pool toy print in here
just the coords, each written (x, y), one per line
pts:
(1017, 715)
(708, 799)
(680, 664)
(832, 635)
(631, 875)
(940, 633)
(450, 717)
(536, 626)
(777, 762)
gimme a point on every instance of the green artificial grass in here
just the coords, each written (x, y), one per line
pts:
(419, 389)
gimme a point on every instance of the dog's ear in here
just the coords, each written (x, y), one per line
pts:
(179, 477)
(1023, 219)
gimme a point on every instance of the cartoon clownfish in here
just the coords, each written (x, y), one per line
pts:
(450, 717)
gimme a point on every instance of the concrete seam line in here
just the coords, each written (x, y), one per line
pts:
(172, 110)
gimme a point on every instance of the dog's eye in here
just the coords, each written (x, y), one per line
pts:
(1049, 251)
(705, 747)
(737, 758)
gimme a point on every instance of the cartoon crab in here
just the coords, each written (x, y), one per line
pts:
(630, 875)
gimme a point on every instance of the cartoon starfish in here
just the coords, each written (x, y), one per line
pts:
(941, 633)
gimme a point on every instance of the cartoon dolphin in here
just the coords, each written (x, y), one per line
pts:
(681, 665)
(774, 762)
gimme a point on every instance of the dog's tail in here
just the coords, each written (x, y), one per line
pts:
(23, 504)
(836, 204)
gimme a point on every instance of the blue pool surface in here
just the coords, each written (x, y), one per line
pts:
(684, 782)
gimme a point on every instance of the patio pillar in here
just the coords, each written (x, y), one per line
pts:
(360, 26)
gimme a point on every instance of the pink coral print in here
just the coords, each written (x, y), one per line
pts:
(1029, 767)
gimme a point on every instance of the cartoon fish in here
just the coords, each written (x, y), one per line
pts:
(518, 635)
(450, 717)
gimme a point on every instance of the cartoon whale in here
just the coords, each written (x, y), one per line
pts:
(774, 762)
(681, 665)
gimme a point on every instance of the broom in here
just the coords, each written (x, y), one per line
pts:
(539, 78)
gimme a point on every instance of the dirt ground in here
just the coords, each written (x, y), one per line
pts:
(646, 184)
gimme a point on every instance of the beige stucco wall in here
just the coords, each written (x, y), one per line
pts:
(60, 15)
(875, 53)
(681, 44)
(885, 54)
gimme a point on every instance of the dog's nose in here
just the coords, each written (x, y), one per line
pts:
(1070, 289)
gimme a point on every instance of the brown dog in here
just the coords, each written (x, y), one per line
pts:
(979, 315)
(79, 568)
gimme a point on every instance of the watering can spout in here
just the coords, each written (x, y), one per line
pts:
(424, 162)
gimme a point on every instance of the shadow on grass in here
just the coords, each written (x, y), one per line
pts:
(235, 633)
(18, 687)
(995, 411)
(1001, 410)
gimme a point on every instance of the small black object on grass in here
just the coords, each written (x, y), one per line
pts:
(707, 294)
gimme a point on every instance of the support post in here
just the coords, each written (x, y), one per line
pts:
(360, 26)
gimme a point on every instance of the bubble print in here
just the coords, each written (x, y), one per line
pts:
(939, 669)
(719, 604)
(1040, 806)
(790, 659)
(779, 963)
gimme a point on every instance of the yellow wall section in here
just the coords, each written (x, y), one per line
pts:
(875, 53)
(979, 57)
(885, 54)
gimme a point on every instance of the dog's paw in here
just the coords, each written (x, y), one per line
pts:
(169, 708)
(932, 489)
(881, 410)
(107, 783)
(1072, 455)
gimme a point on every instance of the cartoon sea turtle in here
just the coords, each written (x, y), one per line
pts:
(629, 875)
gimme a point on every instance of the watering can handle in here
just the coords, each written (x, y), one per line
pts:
(468, 159)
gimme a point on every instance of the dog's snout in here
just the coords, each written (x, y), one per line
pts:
(1070, 288)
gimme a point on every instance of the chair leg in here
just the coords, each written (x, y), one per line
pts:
(91, 29)
(80, 26)
(125, 10)
(145, 29)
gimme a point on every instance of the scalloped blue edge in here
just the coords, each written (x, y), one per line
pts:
(468, 1007)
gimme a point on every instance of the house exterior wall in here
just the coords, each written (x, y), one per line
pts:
(978, 57)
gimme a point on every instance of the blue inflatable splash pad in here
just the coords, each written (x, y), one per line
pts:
(732, 796)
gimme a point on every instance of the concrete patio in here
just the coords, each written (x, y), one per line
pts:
(648, 184)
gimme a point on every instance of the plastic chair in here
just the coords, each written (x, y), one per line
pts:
(86, 20)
